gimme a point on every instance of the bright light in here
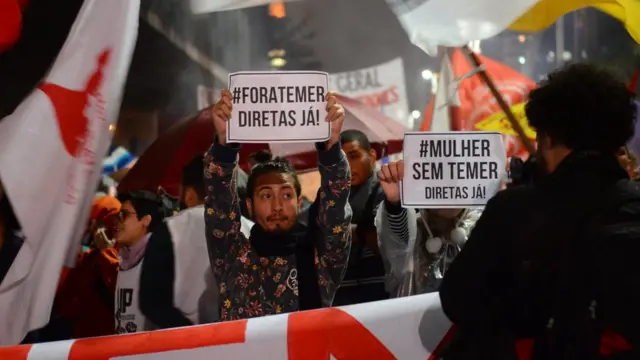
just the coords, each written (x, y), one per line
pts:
(278, 62)
(522, 60)
(416, 114)
(566, 56)
(522, 38)
(427, 74)
(112, 127)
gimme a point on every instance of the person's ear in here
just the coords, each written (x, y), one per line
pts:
(373, 157)
(249, 207)
(190, 197)
(300, 201)
(146, 221)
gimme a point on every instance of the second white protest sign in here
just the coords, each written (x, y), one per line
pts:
(278, 106)
(453, 169)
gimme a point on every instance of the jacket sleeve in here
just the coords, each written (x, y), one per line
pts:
(397, 230)
(469, 292)
(333, 219)
(222, 209)
(156, 282)
(619, 276)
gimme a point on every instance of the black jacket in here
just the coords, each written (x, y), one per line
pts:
(156, 282)
(512, 275)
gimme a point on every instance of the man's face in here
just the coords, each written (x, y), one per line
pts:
(131, 229)
(275, 205)
(361, 162)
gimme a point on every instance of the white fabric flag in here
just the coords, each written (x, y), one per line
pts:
(433, 23)
(207, 6)
(51, 151)
(446, 96)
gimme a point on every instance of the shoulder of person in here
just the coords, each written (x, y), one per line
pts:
(624, 209)
(108, 256)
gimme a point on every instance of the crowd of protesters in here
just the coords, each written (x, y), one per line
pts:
(548, 266)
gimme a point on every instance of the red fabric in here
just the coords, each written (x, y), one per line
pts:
(524, 349)
(612, 343)
(476, 101)
(10, 23)
(161, 164)
(634, 82)
(79, 300)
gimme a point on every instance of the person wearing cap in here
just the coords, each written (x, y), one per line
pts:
(86, 295)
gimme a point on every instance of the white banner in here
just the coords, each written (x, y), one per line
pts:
(405, 328)
(51, 149)
(278, 106)
(452, 170)
(207, 6)
(381, 87)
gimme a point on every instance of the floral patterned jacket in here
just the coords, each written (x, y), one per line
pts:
(250, 285)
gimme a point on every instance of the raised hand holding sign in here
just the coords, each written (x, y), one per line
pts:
(221, 113)
(335, 117)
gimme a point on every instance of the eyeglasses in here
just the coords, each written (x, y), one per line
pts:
(124, 214)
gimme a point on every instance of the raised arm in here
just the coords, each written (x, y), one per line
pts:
(222, 208)
(397, 229)
(222, 204)
(333, 220)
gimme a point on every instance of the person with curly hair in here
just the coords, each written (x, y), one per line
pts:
(563, 248)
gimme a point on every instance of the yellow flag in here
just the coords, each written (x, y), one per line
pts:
(499, 122)
(546, 12)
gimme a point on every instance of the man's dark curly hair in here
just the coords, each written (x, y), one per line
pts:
(278, 165)
(583, 107)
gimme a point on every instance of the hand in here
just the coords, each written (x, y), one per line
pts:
(101, 240)
(221, 113)
(335, 115)
(390, 176)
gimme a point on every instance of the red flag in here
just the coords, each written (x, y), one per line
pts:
(10, 23)
(475, 99)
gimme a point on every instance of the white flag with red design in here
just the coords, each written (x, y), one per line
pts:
(51, 151)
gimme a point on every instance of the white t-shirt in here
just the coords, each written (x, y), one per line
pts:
(129, 318)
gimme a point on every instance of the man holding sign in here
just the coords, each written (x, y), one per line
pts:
(283, 266)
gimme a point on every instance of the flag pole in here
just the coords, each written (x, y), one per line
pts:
(475, 61)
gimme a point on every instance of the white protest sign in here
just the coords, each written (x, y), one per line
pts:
(452, 169)
(278, 106)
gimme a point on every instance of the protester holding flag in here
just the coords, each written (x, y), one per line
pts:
(283, 266)
(142, 211)
(173, 277)
(418, 247)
